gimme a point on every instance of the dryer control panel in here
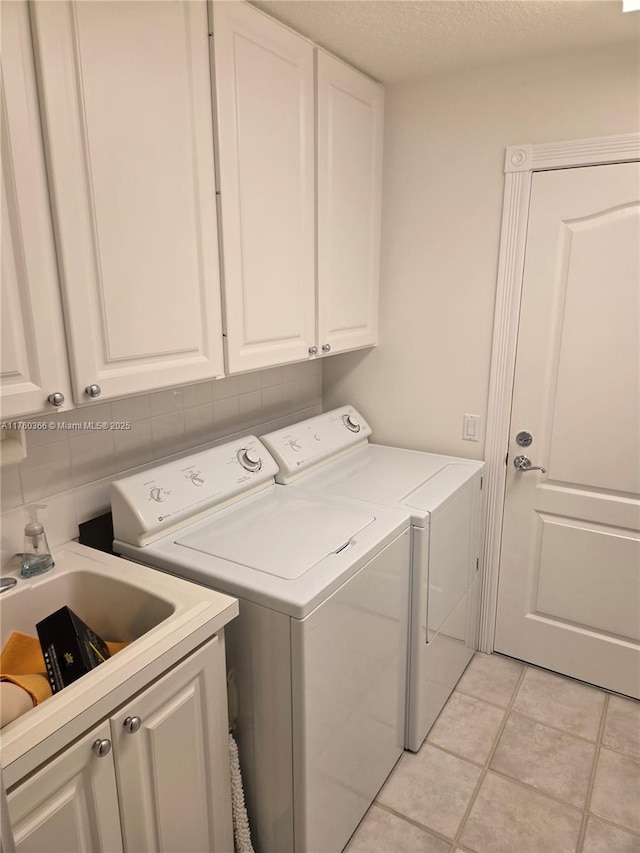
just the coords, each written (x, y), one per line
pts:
(147, 505)
(309, 443)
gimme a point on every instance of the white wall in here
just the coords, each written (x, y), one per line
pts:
(443, 183)
(70, 471)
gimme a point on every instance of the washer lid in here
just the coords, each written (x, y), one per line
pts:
(280, 535)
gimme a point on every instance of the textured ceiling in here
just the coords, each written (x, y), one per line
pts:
(393, 40)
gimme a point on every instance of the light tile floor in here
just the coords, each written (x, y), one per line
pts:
(519, 761)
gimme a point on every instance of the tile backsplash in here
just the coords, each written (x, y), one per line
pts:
(70, 469)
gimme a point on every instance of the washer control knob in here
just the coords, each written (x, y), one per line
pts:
(156, 495)
(351, 423)
(196, 479)
(249, 459)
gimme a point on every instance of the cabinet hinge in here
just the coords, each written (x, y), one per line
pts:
(477, 564)
(481, 483)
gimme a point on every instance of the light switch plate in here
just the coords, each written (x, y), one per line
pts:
(471, 427)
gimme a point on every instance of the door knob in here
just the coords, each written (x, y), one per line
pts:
(101, 747)
(132, 724)
(523, 463)
(56, 399)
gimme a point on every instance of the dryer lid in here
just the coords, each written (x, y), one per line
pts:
(280, 535)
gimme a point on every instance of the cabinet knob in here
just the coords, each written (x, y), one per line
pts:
(56, 399)
(93, 390)
(313, 350)
(326, 347)
(101, 747)
(132, 724)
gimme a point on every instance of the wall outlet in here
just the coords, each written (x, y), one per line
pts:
(471, 427)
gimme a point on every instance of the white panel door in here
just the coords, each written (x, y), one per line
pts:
(173, 771)
(569, 590)
(350, 127)
(71, 805)
(265, 107)
(33, 356)
(126, 94)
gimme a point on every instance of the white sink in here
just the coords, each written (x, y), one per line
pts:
(162, 616)
(113, 608)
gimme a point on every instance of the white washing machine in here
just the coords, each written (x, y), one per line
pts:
(330, 455)
(318, 652)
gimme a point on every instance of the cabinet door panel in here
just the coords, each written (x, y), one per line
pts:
(265, 102)
(33, 355)
(350, 116)
(172, 797)
(127, 102)
(71, 805)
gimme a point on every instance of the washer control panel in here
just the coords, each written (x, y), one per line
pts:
(147, 504)
(308, 443)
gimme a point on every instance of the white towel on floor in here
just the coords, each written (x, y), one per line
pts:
(241, 831)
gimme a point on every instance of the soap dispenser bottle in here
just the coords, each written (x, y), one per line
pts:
(36, 557)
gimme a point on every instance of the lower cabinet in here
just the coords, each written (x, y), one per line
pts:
(154, 776)
(71, 804)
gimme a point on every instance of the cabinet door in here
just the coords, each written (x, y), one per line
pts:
(71, 805)
(126, 94)
(173, 770)
(33, 357)
(265, 106)
(350, 117)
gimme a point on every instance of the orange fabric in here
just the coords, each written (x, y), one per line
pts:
(22, 663)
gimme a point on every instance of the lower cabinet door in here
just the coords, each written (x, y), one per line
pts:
(71, 805)
(172, 759)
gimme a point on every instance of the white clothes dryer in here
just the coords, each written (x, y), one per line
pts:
(318, 652)
(330, 455)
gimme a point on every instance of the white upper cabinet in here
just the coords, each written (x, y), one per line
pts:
(33, 357)
(264, 82)
(126, 99)
(350, 128)
(300, 272)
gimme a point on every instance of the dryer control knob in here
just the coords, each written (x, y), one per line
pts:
(351, 423)
(249, 459)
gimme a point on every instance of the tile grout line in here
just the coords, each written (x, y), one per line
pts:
(428, 829)
(546, 724)
(557, 729)
(592, 780)
(543, 793)
(485, 769)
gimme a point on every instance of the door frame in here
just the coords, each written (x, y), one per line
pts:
(521, 161)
